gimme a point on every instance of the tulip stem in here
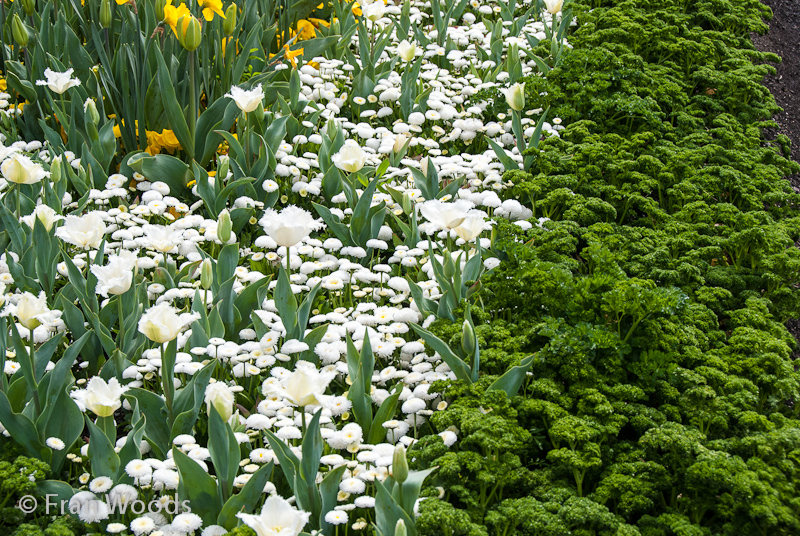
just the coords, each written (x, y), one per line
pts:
(121, 323)
(192, 97)
(34, 387)
(19, 188)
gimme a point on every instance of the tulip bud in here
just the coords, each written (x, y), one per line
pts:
(190, 33)
(90, 109)
(160, 9)
(406, 50)
(224, 226)
(105, 13)
(400, 465)
(449, 266)
(424, 164)
(553, 6)
(515, 97)
(19, 31)
(229, 25)
(222, 168)
(221, 398)
(400, 143)
(206, 274)
(408, 204)
(28, 6)
(400, 528)
(468, 338)
(55, 169)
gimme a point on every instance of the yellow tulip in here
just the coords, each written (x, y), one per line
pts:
(210, 7)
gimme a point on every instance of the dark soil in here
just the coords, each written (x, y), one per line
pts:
(783, 39)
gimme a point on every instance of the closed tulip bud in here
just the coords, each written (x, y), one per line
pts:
(206, 274)
(408, 204)
(56, 173)
(468, 338)
(222, 168)
(224, 226)
(400, 528)
(190, 32)
(406, 50)
(400, 143)
(220, 397)
(553, 6)
(19, 31)
(90, 109)
(400, 465)
(105, 13)
(229, 25)
(449, 266)
(515, 97)
(160, 9)
(28, 6)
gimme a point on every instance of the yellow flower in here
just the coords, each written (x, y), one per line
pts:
(119, 2)
(169, 141)
(319, 22)
(172, 14)
(3, 85)
(210, 7)
(225, 41)
(357, 9)
(305, 30)
(292, 54)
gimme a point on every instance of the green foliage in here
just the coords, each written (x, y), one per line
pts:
(652, 290)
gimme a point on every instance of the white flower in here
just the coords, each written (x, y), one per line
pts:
(553, 6)
(406, 50)
(116, 277)
(515, 96)
(220, 396)
(162, 323)
(55, 443)
(102, 398)
(86, 231)
(31, 311)
(290, 225)
(142, 525)
(373, 10)
(20, 169)
(277, 518)
(336, 517)
(302, 387)
(246, 100)
(447, 215)
(58, 82)
(101, 484)
(351, 157)
(44, 214)
(470, 228)
(187, 522)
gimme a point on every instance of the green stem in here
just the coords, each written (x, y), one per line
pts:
(36, 402)
(19, 187)
(193, 97)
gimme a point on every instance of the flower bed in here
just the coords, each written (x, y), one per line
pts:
(416, 268)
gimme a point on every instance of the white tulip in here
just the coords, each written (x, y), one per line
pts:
(351, 157)
(553, 6)
(406, 50)
(162, 238)
(162, 323)
(220, 396)
(86, 231)
(373, 10)
(277, 518)
(471, 227)
(44, 214)
(448, 215)
(305, 386)
(515, 96)
(58, 82)
(102, 398)
(246, 100)
(290, 225)
(20, 169)
(31, 311)
(116, 277)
